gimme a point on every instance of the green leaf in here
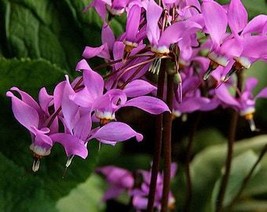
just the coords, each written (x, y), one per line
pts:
(29, 75)
(21, 190)
(85, 197)
(206, 168)
(241, 166)
(54, 30)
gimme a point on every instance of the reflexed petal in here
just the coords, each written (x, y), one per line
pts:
(262, 93)
(237, 16)
(256, 25)
(192, 104)
(27, 98)
(223, 94)
(101, 51)
(71, 144)
(41, 139)
(83, 98)
(175, 32)
(94, 83)
(116, 132)
(255, 47)
(69, 108)
(153, 14)
(58, 93)
(107, 36)
(250, 84)
(215, 19)
(25, 114)
(83, 126)
(112, 192)
(138, 88)
(133, 22)
(44, 99)
(117, 176)
(140, 202)
(149, 104)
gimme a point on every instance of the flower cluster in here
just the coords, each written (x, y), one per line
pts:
(85, 109)
(202, 44)
(135, 185)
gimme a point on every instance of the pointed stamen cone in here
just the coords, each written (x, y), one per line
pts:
(208, 72)
(35, 164)
(229, 74)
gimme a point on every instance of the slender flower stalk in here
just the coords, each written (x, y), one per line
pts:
(158, 142)
(228, 162)
(230, 146)
(167, 129)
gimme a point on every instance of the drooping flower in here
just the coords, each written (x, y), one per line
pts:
(35, 118)
(245, 101)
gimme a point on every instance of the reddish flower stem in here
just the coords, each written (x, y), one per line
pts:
(158, 142)
(230, 147)
(167, 130)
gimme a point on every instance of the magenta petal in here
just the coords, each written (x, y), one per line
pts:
(117, 176)
(44, 99)
(26, 115)
(112, 192)
(175, 32)
(140, 202)
(256, 25)
(94, 83)
(138, 88)
(149, 104)
(255, 47)
(107, 36)
(82, 98)
(215, 19)
(153, 14)
(237, 16)
(27, 98)
(192, 104)
(133, 22)
(58, 93)
(101, 51)
(116, 132)
(262, 94)
(69, 108)
(223, 94)
(250, 84)
(71, 144)
(41, 138)
(83, 126)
